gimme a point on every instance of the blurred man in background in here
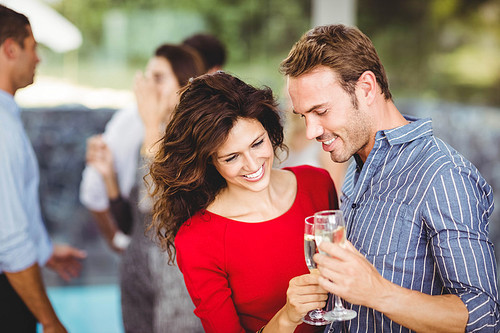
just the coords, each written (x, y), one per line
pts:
(211, 50)
(24, 241)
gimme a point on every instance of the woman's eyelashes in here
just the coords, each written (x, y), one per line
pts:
(258, 143)
(254, 145)
(231, 158)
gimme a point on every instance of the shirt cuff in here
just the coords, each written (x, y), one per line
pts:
(18, 258)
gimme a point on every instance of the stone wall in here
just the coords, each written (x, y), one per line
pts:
(58, 136)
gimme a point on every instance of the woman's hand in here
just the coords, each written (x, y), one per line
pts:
(303, 295)
(154, 105)
(99, 156)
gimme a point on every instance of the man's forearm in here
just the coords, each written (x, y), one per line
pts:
(29, 286)
(424, 313)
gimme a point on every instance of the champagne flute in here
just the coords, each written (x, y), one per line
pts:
(316, 316)
(329, 226)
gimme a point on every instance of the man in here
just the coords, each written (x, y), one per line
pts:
(24, 242)
(211, 49)
(418, 256)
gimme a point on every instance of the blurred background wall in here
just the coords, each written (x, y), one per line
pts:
(441, 56)
(440, 49)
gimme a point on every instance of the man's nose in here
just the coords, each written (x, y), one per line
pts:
(313, 129)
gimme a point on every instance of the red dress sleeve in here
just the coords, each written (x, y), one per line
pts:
(200, 257)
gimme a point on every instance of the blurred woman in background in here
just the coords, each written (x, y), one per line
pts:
(153, 295)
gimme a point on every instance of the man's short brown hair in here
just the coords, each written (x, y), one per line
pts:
(346, 50)
(13, 25)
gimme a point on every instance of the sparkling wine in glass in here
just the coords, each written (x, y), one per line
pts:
(329, 226)
(316, 316)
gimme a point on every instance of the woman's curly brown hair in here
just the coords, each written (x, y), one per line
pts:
(184, 179)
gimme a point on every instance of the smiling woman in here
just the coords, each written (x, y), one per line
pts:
(246, 157)
(227, 210)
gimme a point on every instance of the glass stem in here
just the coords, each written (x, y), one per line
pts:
(338, 303)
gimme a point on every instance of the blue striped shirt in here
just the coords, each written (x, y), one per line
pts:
(23, 237)
(418, 211)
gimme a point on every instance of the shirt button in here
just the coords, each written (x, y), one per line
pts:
(354, 206)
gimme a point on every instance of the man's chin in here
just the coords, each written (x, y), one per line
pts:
(28, 83)
(338, 159)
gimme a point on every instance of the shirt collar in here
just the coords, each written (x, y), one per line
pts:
(417, 128)
(8, 103)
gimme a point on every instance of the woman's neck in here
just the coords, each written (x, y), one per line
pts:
(244, 205)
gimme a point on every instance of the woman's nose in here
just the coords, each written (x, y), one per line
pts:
(251, 162)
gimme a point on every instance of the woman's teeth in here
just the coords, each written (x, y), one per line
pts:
(256, 174)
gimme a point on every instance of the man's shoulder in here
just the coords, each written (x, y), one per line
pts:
(11, 130)
(448, 156)
(436, 161)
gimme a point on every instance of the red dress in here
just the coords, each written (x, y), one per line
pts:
(237, 273)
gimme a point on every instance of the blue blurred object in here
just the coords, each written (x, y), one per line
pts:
(84, 309)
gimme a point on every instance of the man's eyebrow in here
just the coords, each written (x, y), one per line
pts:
(314, 107)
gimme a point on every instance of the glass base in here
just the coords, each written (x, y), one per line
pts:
(316, 318)
(340, 314)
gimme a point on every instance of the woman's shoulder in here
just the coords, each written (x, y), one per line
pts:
(199, 227)
(315, 185)
(312, 180)
(202, 236)
(309, 172)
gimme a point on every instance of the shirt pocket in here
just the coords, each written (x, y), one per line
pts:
(378, 226)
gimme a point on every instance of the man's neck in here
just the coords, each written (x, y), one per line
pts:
(390, 117)
(6, 86)
(385, 116)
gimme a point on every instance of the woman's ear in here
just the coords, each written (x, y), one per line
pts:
(367, 83)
